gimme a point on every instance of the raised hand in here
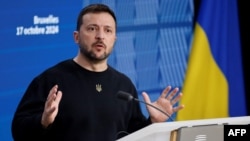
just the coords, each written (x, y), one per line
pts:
(165, 102)
(51, 106)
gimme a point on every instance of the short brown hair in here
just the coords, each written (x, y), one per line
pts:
(93, 8)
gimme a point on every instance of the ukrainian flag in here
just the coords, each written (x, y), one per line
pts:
(214, 85)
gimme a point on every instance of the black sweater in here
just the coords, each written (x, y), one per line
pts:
(84, 113)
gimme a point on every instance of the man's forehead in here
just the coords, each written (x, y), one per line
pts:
(98, 16)
(104, 19)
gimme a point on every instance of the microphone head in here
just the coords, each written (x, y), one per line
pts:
(124, 96)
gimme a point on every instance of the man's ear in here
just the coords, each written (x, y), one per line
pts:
(76, 36)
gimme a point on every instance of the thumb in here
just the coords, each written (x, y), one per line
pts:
(146, 97)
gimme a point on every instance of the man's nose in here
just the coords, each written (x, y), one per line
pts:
(100, 35)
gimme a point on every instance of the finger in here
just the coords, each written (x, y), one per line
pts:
(52, 92)
(146, 97)
(58, 97)
(50, 110)
(51, 97)
(53, 103)
(176, 109)
(165, 92)
(172, 93)
(176, 99)
(49, 103)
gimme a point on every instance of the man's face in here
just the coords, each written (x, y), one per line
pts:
(97, 36)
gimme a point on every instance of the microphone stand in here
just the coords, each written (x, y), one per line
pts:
(155, 108)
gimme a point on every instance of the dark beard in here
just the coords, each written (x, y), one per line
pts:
(91, 56)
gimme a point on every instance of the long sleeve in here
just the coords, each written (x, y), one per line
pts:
(26, 123)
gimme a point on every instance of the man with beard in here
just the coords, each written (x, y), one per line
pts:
(76, 100)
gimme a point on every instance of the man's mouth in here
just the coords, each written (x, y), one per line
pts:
(99, 45)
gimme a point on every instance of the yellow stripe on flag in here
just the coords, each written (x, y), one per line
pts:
(205, 89)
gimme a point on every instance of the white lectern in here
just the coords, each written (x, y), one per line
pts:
(161, 131)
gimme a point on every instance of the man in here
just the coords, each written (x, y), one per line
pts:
(76, 100)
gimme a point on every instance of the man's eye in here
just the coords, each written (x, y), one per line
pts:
(91, 29)
(108, 30)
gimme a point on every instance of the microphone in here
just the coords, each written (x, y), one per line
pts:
(128, 97)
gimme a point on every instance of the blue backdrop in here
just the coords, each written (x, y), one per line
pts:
(152, 46)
